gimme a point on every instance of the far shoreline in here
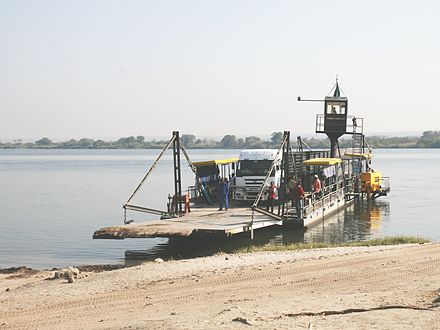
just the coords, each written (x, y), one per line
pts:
(429, 139)
(213, 148)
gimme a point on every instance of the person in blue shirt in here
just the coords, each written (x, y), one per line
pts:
(223, 192)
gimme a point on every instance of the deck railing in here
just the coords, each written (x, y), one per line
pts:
(329, 193)
(353, 125)
(385, 184)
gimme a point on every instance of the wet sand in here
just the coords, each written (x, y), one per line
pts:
(356, 287)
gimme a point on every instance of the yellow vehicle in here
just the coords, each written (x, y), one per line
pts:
(374, 184)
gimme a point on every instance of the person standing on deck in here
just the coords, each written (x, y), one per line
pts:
(316, 186)
(271, 196)
(223, 192)
(298, 195)
(290, 188)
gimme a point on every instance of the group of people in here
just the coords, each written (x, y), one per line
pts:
(295, 193)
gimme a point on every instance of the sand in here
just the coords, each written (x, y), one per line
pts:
(339, 288)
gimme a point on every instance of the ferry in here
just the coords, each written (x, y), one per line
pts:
(193, 212)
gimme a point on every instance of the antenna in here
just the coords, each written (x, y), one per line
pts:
(308, 100)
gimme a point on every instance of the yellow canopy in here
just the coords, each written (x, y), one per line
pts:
(216, 162)
(322, 161)
(365, 156)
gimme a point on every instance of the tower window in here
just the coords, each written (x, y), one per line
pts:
(335, 109)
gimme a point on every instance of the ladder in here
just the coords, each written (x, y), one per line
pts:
(357, 143)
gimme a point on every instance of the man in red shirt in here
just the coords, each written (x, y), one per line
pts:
(271, 196)
(298, 195)
(316, 186)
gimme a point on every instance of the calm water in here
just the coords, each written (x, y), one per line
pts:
(52, 201)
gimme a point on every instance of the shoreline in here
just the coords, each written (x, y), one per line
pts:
(295, 247)
(370, 287)
(392, 147)
(83, 268)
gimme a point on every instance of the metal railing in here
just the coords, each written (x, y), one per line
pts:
(171, 204)
(353, 125)
(328, 194)
(319, 123)
(384, 184)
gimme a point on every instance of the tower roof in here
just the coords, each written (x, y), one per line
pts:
(337, 92)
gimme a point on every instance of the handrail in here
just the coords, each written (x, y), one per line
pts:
(370, 150)
(349, 128)
(145, 209)
(358, 128)
(150, 170)
(268, 174)
(327, 192)
(255, 204)
(385, 182)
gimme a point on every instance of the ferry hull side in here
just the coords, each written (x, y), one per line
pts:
(330, 208)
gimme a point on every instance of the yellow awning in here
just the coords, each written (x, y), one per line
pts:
(322, 161)
(357, 155)
(216, 162)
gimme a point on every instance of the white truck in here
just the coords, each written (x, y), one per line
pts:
(253, 167)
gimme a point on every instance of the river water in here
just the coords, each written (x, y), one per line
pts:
(51, 202)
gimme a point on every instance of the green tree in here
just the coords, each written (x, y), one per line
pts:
(100, 144)
(240, 143)
(252, 141)
(229, 141)
(86, 143)
(429, 139)
(276, 138)
(126, 143)
(188, 140)
(43, 142)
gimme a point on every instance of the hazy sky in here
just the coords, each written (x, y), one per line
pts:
(118, 68)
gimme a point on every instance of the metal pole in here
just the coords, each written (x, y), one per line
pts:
(285, 174)
(252, 224)
(333, 145)
(308, 100)
(177, 174)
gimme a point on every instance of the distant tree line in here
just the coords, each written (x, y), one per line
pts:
(429, 139)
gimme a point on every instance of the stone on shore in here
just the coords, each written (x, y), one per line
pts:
(66, 273)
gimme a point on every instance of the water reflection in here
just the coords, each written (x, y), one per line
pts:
(371, 214)
(359, 221)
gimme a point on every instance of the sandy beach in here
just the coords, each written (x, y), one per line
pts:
(339, 288)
